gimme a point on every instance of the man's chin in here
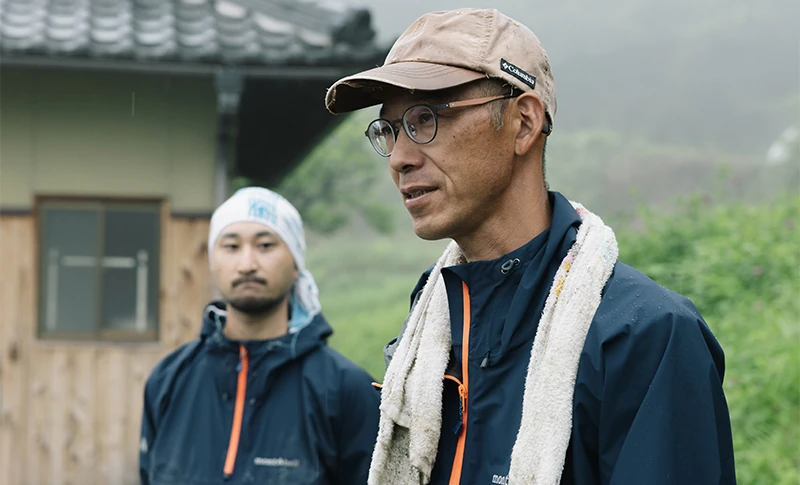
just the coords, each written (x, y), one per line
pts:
(255, 306)
(428, 231)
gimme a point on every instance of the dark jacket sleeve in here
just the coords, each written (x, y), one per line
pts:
(356, 428)
(148, 432)
(663, 418)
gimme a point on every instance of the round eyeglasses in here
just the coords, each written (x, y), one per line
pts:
(420, 122)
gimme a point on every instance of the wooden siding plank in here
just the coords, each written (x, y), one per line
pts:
(80, 447)
(112, 392)
(71, 412)
(16, 239)
(40, 427)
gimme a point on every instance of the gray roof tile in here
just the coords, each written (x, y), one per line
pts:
(253, 32)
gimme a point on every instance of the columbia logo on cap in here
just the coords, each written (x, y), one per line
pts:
(518, 73)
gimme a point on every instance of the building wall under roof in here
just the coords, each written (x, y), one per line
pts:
(101, 134)
(70, 411)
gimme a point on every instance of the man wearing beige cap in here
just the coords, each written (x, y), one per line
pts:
(530, 354)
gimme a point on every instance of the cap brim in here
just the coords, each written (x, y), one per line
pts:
(364, 89)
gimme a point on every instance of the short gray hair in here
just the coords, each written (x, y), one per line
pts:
(494, 87)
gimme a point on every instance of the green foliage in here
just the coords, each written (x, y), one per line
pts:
(336, 183)
(739, 264)
(380, 216)
(365, 285)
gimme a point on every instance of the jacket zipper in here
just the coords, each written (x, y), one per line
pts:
(461, 404)
(463, 392)
(238, 412)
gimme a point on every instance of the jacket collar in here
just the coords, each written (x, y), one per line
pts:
(291, 345)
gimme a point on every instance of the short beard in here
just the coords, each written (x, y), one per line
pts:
(256, 306)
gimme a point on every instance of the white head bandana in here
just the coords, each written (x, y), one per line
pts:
(257, 204)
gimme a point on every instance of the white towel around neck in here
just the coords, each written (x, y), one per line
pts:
(411, 398)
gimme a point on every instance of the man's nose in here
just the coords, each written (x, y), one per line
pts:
(247, 260)
(406, 155)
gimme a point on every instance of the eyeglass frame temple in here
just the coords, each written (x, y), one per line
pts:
(546, 129)
(435, 109)
(474, 102)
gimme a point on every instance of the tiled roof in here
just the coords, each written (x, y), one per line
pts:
(252, 32)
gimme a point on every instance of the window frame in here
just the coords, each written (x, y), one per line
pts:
(100, 205)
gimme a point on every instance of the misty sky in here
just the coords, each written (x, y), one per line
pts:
(685, 71)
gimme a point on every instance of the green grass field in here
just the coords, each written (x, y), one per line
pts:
(365, 287)
(738, 263)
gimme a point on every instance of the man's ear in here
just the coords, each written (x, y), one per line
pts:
(532, 122)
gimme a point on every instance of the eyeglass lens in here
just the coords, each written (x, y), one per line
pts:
(419, 123)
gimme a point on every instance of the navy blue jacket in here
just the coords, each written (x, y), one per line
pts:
(308, 415)
(648, 405)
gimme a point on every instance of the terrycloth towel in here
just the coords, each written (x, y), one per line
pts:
(411, 399)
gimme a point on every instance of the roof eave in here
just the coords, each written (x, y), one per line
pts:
(310, 71)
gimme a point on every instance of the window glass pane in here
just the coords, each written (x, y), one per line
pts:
(68, 301)
(130, 270)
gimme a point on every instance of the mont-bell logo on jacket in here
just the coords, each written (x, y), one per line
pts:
(276, 462)
(500, 480)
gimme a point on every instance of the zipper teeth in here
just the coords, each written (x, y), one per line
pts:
(463, 392)
(238, 412)
(461, 404)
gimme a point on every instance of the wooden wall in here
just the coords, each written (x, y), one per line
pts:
(70, 412)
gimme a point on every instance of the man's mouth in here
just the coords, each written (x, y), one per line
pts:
(416, 193)
(249, 282)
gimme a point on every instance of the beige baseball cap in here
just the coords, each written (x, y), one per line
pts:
(449, 48)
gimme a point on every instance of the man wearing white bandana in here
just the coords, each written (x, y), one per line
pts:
(259, 397)
(531, 356)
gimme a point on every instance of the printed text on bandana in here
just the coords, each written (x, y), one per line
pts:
(262, 209)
